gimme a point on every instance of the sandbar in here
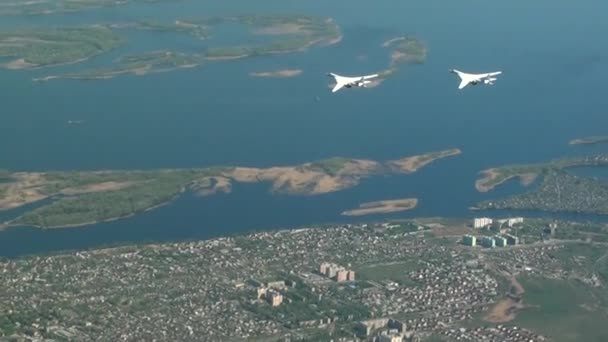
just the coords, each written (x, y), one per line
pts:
(285, 73)
(383, 207)
(412, 164)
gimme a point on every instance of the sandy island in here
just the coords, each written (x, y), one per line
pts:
(306, 179)
(285, 73)
(413, 164)
(320, 177)
(383, 207)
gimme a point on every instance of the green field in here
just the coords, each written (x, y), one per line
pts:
(392, 271)
(331, 166)
(566, 311)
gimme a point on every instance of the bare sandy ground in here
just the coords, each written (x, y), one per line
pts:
(414, 163)
(214, 186)
(285, 73)
(505, 310)
(304, 179)
(385, 206)
(280, 29)
(24, 190)
(99, 187)
(486, 182)
(19, 64)
(27, 188)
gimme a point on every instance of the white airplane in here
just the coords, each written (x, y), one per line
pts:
(474, 79)
(349, 82)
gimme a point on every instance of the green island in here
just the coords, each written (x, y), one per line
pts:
(383, 207)
(589, 140)
(559, 191)
(84, 197)
(40, 47)
(337, 282)
(282, 34)
(49, 7)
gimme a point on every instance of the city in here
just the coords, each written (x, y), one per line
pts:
(392, 281)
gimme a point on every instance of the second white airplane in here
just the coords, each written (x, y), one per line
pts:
(474, 79)
(349, 82)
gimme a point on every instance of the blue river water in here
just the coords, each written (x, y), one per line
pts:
(552, 90)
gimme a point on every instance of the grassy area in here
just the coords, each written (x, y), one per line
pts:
(285, 34)
(564, 310)
(392, 271)
(17, 7)
(51, 46)
(331, 166)
(195, 30)
(138, 191)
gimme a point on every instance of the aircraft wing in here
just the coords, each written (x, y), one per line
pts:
(463, 83)
(490, 74)
(337, 87)
(367, 77)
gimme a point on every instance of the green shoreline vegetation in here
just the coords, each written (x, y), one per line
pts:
(49, 7)
(283, 34)
(85, 197)
(527, 173)
(559, 190)
(39, 47)
(592, 140)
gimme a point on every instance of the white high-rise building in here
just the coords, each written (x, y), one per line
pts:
(481, 222)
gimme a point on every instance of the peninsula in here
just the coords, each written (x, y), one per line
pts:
(84, 197)
(527, 173)
(383, 207)
(559, 191)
